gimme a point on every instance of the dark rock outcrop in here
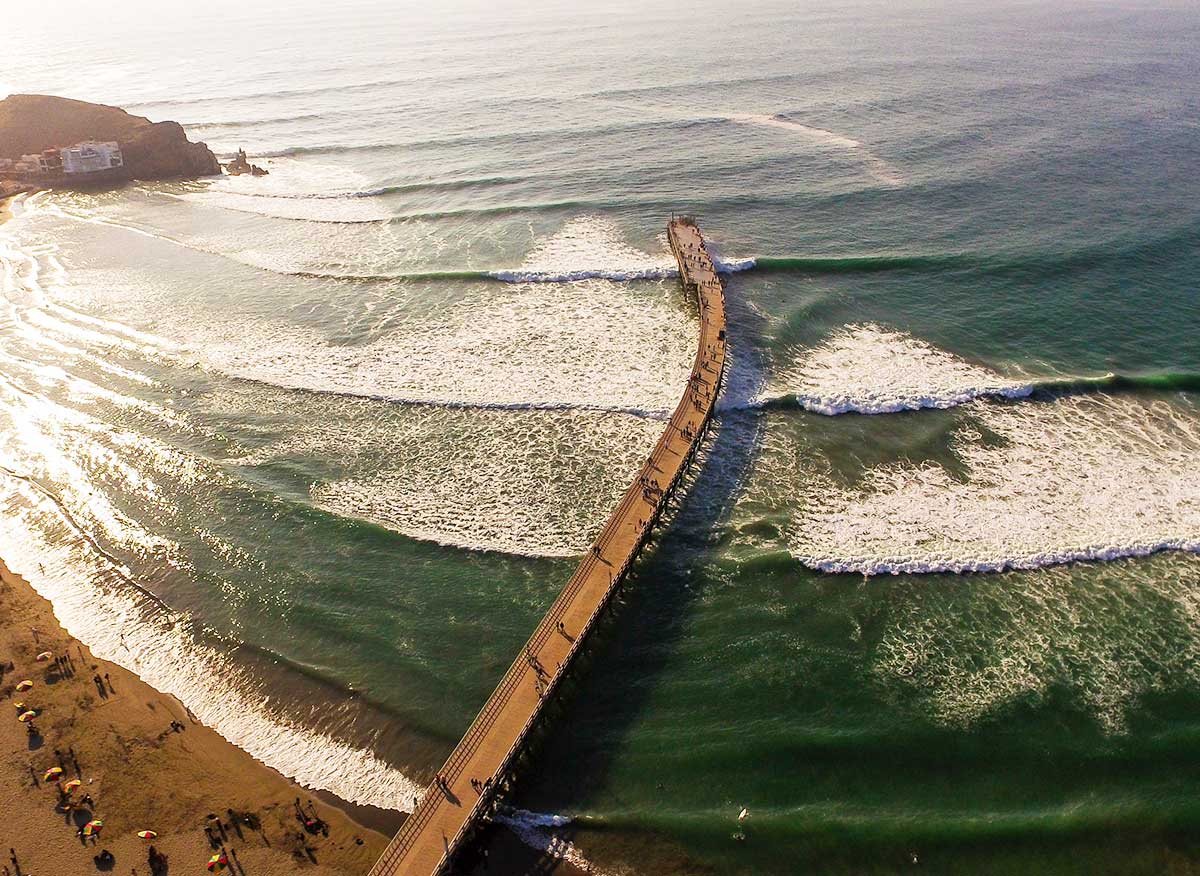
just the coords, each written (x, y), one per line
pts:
(152, 150)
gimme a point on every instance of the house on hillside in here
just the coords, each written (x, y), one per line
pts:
(91, 157)
(82, 162)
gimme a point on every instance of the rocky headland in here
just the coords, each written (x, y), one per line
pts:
(33, 123)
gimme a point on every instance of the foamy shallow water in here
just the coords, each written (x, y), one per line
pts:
(1078, 478)
(94, 603)
(870, 369)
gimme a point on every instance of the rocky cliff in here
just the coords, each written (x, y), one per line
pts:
(152, 150)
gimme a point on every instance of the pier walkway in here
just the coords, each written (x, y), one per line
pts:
(478, 771)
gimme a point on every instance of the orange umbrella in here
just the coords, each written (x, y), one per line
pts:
(44, 656)
(52, 773)
(147, 834)
(24, 685)
(27, 716)
(71, 785)
(92, 827)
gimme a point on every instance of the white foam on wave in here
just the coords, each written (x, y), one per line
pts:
(1078, 478)
(731, 265)
(1109, 636)
(869, 369)
(594, 245)
(537, 830)
(589, 344)
(520, 275)
(521, 482)
(582, 346)
(879, 169)
(328, 210)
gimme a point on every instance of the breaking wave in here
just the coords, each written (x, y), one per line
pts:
(525, 275)
(536, 830)
(1166, 381)
(382, 191)
(869, 369)
(1075, 478)
(879, 169)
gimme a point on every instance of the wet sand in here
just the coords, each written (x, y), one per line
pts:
(141, 774)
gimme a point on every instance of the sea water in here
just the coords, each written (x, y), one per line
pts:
(314, 451)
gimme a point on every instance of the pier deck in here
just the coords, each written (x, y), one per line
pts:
(479, 769)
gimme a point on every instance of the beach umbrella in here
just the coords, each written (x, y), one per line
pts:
(27, 716)
(216, 863)
(24, 685)
(70, 786)
(92, 827)
(147, 834)
(52, 773)
(44, 656)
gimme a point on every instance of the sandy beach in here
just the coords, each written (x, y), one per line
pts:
(139, 772)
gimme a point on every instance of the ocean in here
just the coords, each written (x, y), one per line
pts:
(314, 451)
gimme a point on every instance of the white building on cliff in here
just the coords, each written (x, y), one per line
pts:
(90, 157)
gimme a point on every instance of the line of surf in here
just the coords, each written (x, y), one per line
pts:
(524, 275)
(382, 191)
(1042, 560)
(459, 404)
(1165, 381)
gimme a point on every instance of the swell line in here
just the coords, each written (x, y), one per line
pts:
(1163, 381)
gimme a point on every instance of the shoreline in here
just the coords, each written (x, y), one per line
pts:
(142, 774)
(35, 824)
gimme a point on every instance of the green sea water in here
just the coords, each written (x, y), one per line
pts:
(315, 451)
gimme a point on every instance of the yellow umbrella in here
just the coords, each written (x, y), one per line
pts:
(71, 786)
(24, 685)
(52, 773)
(27, 716)
(44, 656)
(92, 827)
(216, 863)
(147, 834)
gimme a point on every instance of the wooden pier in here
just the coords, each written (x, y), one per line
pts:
(479, 771)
